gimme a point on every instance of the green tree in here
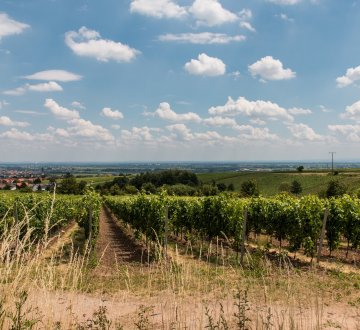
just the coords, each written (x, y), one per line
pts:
(221, 186)
(335, 189)
(296, 187)
(231, 187)
(249, 188)
(300, 168)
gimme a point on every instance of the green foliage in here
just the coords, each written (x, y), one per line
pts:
(300, 168)
(249, 188)
(335, 189)
(296, 187)
(69, 185)
(297, 220)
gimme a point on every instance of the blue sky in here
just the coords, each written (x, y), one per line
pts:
(140, 80)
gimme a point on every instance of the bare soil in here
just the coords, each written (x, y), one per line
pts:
(115, 247)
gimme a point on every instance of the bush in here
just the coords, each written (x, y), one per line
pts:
(296, 187)
(249, 188)
(335, 188)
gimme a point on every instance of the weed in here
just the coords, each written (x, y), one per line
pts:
(242, 309)
(18, 319)
(143, 321)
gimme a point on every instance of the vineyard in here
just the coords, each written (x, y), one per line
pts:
(122, 256)
(298, 221)
(42, 215)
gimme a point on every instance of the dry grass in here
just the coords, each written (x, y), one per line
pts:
(195, 288)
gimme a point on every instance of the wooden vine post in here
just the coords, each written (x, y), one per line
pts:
(166, 231)
(243, 239)
(90, 222)
(326, 214)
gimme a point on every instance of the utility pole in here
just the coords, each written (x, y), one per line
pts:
(332, 161)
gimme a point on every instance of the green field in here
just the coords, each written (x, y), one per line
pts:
(269, 182)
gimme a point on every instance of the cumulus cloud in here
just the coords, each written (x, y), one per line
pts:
(15, 134)
(112, 114)
(249, 132)
(8, 26)
(254, 109)
(144, 133)
(352, 112)
(6, 121)
(352, 75)
(165, 112)
(77, 104)
(181, 131)
(269, 68)
(158, 8)
(351, 132)
(220, 121)
(206, 66)
(59, 111)
(50, 86)
(78, 127)
(88, 43)
(305, 133)
(86, 129)
(54, 75)
(211, 13)
(299, 111)
(202, 38)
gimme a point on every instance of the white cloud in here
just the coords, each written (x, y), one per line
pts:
(181, 131)
(115, 126)
(299, 111)
(202, 38)
(158, 8)
(211, 13)
(54, 75)
(351, 132)
(50, 86)
(352, 112)
(113, 114)
(15, 134)
(59, 111)
(88, 43)
(165, 112)
(269, 68)
(9, 26)
(6, 121)
(247, 26)
(77, 104)
(285, 2)
(139, 134)
(15, 92)
(220, 121)
(86, 129)
(206, 66)
(286, 18)
(249, 132)
(254, 109)
(305, 133)
(257, 121)
(352, 75)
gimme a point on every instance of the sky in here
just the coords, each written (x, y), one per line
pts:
(179, 80)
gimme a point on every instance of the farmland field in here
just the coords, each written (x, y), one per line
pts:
(269, 182)
(128, 279)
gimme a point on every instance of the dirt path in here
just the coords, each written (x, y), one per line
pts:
(114, 247)
(59, 240)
